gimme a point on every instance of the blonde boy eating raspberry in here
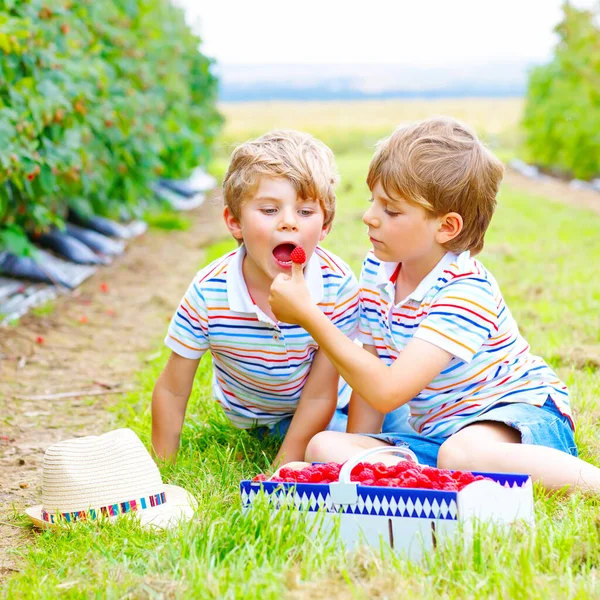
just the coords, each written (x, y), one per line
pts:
(279, 194)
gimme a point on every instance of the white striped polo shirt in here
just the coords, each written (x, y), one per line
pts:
(260, 367)
(458, 307)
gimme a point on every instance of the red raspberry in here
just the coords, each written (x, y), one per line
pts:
(313, 475)
(423, 482)
(358, 468)
(368, 482)
(367, 473)
(402, 466)
(411, 472)
(395, 482)
(466, 479)
(450, 486)
(276, 479)
(409, 482)
(380, 470)
(288, 474)
(260, 477)
(332, 471)
(384, 482)
(298, 255)
(302, 478)
(430, 472)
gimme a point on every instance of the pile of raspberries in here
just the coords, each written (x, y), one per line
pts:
(405, 474)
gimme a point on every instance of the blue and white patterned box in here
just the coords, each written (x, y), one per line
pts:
(409, 520)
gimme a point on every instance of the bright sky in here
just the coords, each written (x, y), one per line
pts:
(415, 32)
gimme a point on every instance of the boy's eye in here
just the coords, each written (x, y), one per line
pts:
(268, 211)
(306, 212)
(391, 213)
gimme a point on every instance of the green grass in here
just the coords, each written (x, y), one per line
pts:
(545, 257)
(167, 220)
(43, 310)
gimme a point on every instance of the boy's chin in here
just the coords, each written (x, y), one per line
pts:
(382, 255)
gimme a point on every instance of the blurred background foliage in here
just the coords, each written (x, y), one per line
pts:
(98, 98)
(562, 111)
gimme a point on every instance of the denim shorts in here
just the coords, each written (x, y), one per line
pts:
(539, 425)
(280, 429)
(395, 422)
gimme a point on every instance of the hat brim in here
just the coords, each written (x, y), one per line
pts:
(180, 506)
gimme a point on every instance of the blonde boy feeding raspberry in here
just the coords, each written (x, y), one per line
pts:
(437, 332)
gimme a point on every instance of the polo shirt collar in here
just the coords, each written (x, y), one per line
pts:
(387, 273)
(237, 291)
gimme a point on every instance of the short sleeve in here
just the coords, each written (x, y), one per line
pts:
(188, 330)
(368, 312)
(461, 318)
(345, 313)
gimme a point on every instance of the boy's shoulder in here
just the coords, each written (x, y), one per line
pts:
(331, 264)
(451, 269)
(215, 271)
(466, 267)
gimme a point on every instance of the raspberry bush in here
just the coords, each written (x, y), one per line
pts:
(97, 99)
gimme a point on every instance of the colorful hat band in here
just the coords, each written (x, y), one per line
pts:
(112, 510)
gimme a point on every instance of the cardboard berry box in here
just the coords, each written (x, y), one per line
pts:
(412, 521)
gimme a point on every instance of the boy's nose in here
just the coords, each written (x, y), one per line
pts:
(369, 219)
(288, 221)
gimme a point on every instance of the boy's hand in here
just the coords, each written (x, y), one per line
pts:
(290, 299)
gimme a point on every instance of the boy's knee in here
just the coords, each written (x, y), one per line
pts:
(453, 455)
(318, 448)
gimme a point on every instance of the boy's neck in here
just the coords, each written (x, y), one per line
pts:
(259, 287)
(411, 273)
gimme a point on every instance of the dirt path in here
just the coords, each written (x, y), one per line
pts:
(99, 336)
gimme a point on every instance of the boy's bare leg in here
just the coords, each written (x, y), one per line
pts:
(496, 448)
(333, 446)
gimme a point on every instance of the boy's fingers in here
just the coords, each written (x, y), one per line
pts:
(297, 271)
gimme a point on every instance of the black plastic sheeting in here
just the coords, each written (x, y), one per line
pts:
(101, 225)
(181, 187)
(25, 267)
(85, 243)
(69, 247)
(98, 242)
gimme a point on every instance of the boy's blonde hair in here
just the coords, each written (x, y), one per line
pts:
(306, 162)
(441, 165)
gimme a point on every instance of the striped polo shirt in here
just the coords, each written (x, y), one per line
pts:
(260, 367)
(458, 307)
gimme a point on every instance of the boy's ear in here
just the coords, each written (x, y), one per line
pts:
(326, 229)
(451, 224)
(233, 224)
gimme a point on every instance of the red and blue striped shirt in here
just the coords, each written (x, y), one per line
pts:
(459, 308)
(260, 367)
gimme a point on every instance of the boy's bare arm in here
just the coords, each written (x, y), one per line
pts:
(362, 417)
(383, 387)
(169, 401)
(316, 407)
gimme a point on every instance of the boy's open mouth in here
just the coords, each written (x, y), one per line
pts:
(282, 254)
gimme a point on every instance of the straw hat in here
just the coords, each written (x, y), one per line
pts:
(107, 476)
